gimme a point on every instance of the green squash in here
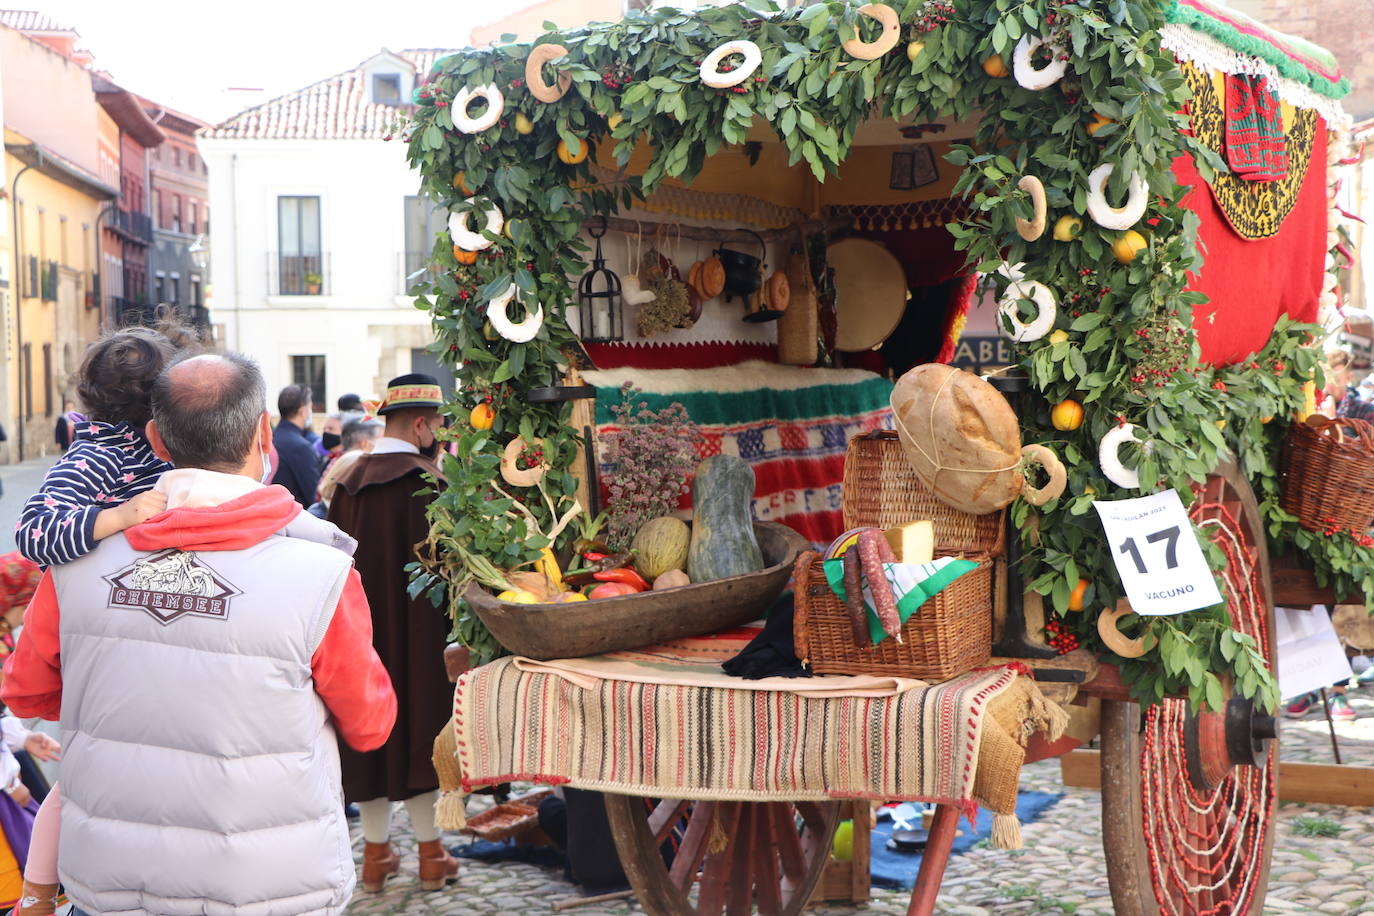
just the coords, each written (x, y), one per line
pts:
(723, 541)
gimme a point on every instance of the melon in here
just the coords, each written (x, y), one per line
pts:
(661, 545)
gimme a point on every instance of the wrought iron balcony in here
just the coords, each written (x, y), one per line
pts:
(297, 274)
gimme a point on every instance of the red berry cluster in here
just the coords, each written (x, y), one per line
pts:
(495, 395)
(933, 14)
(617, 75)
(532, 456)
(1059, 637)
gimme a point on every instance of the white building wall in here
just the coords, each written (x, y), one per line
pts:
(362, 325)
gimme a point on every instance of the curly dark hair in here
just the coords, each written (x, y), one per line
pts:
(115, 381)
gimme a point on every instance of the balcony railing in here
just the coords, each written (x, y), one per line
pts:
(132, 224)
(297, 274)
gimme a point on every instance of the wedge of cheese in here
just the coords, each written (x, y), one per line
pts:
(913, 543)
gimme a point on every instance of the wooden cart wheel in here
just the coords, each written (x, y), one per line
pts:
(1173, 850)
(729, 855)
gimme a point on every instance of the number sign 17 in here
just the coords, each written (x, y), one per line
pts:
(1170, 538)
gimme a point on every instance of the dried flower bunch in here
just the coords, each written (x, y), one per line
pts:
(652, 455)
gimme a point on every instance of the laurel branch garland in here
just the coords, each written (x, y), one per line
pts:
(641, 75)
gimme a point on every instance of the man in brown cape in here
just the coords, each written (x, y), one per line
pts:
(377, 501)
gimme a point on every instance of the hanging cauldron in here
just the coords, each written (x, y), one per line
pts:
(743, 272)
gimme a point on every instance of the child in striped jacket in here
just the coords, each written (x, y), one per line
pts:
(102, 485)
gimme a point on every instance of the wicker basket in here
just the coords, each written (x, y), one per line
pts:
(1326, 470)
(951, 633)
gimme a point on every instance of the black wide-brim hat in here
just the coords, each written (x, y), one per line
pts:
(415, 389)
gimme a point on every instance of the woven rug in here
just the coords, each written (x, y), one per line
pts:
(791, 424)
(958, 742)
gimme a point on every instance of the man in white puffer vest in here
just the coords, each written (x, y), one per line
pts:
(200, 664)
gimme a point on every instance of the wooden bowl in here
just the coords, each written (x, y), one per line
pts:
(546, 631)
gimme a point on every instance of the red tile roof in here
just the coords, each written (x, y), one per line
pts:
(32, 21)
(332, 109)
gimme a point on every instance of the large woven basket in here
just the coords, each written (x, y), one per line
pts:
(951, 633)
(1326, 472)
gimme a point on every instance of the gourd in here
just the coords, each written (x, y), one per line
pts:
(661, 545)
(723, 541)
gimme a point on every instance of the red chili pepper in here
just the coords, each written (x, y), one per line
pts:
(622, 574)
(592, 556)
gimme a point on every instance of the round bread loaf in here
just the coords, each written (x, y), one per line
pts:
(961, 437)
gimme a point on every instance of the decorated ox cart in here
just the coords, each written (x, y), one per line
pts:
(1135, 200)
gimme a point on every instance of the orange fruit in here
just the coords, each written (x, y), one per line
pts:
(1076, 596)
(460, 184)
(482, 416)
(1067, 415)
(1129, 244)
(566, 154)
(995, 67)
(1097, 123)
(463, 256)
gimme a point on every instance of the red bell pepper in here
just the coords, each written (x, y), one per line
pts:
(622, 574)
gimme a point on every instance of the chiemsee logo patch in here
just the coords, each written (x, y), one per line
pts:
(170, 585)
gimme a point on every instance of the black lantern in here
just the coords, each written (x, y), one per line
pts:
(599, 306)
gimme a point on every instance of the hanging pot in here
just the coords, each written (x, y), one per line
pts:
(743, 272)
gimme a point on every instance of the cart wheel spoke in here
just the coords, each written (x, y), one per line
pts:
(665, 817)
(740, 855)
(687, 862)
(768, 882)
(715, 875)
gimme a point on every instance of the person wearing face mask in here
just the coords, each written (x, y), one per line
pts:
(377, 500)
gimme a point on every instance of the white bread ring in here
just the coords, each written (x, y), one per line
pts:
(1032, 229)
(534, 73)
(717, 80)
(1040, 294)
(512, 474)
(892, 31)
(464, 237)
(521, 332)
(496, 103)
(1112, 637)
(1103, 213)
(1026, 75)
(1059, 478)
(1109, 459)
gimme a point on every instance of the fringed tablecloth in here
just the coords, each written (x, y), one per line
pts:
(659, 722)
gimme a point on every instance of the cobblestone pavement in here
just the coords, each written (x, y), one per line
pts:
(1060, 870)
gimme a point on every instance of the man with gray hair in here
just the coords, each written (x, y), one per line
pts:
(201, 664)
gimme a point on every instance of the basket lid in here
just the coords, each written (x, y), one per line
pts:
(882, 490)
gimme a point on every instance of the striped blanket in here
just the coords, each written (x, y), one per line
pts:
(791, 424)
(667, 735)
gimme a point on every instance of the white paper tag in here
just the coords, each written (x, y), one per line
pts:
(1160, 561)
(1310, 653)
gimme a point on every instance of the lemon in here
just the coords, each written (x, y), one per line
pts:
(518, 596)
(523, 125)
(914, 49)
(1067, 228)
(1059, 336)
(615, 120)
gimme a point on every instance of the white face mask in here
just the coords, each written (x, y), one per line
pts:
(266, 468)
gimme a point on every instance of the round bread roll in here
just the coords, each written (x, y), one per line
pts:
(961, 437)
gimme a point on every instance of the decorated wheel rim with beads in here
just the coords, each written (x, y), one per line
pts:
(1174, 848)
